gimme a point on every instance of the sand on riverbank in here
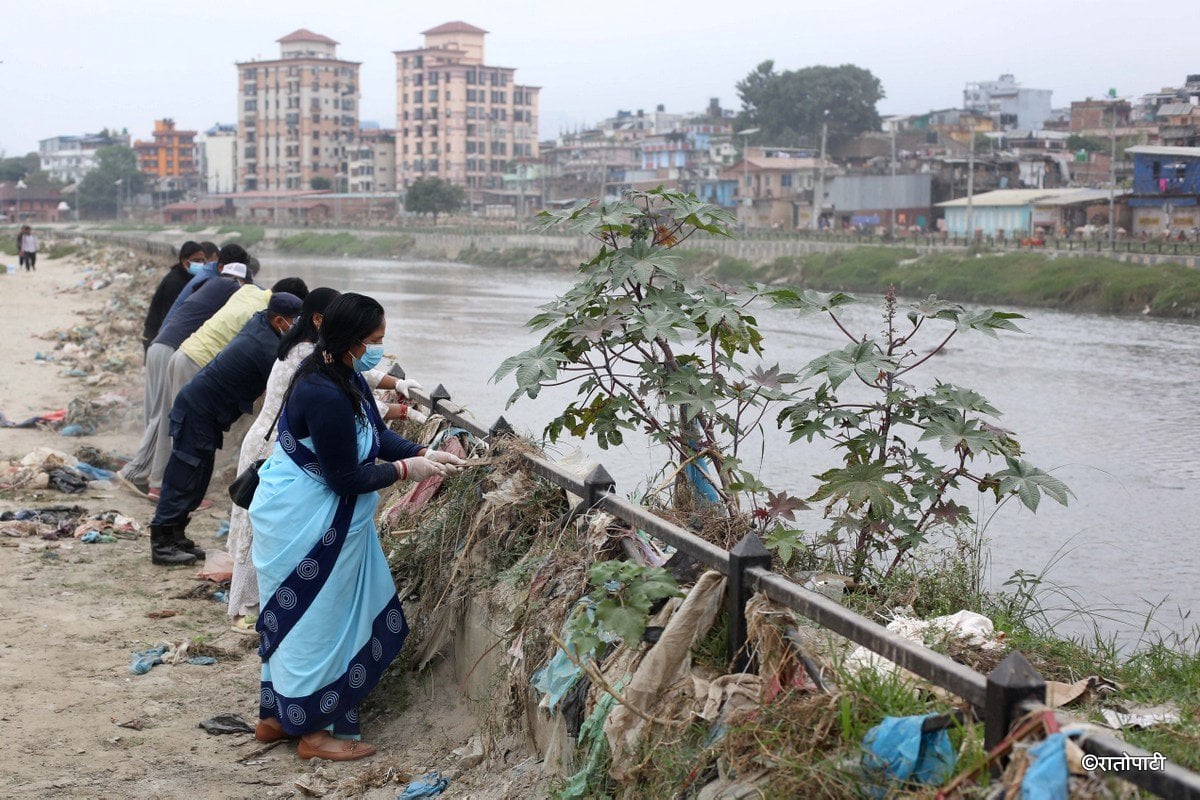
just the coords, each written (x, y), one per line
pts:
(77, 722)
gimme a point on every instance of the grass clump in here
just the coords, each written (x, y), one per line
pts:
(346, 244)
(245, 235)
(516, 257)
(1083, 283)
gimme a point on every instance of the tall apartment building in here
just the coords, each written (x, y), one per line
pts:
(1010, 105)
(69, 158)
(373, 162)
(218, 158)
(170, 154)
(297, 115)
(458, 118)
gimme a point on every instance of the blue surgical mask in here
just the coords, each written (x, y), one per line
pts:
(194, 267)
(211, 264)
(370, 358)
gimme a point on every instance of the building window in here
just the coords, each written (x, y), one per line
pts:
(433, 95)
(418, 96)
(785, 181)
(471, 77)
(250, 105)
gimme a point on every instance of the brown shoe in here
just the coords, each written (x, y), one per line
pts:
(335, 749)
(269, 730)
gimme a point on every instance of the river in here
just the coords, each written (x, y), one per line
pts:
(1107, 403)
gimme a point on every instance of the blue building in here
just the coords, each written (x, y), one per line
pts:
(1166, 189)
(1024, 212)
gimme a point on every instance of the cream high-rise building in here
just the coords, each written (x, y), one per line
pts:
(456, 117)
(297, 115)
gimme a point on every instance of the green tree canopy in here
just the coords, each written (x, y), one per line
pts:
(319, 183)
(99, 189)
(434, 196)
(790, 105)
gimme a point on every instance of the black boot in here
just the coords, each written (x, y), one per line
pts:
(183, 543)
(163, 548)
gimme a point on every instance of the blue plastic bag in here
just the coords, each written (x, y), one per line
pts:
(897, 750)
(1046, 778)
(430, 786)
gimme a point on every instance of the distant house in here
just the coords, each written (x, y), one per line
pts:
(19, 203)
(857, 201)
(1166, 188)
(775, 185)
(1179, 124)
(1021, 212)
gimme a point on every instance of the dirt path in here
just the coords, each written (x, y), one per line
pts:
(71, 614)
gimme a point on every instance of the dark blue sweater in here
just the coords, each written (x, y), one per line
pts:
(229, 384)
(318, 408)
(195, 311)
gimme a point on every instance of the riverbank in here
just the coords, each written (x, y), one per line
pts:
(77, 722)
(1068, 282)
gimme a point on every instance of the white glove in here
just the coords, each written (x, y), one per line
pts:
(404, 384)
(419, 468)
(417, 416)
(444, 457)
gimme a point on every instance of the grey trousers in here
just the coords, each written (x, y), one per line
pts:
(180, 370)
(158, 357)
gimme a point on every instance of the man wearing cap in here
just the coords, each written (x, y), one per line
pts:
(183, 323)
(204, 410)
(201, 347)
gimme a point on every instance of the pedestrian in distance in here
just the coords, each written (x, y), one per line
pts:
(27, 248)
(331, 622)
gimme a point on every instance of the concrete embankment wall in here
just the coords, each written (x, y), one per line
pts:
(756, 251)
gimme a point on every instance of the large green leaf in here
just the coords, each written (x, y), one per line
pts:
(860, 484)
(861, 359)
(538, 363)
(807, 301)
(988, 321)
(1029, 483)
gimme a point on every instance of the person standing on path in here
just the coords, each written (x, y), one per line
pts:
(27, 247)
(205, 409)
(331, 622)
(191, 261)
(295, 346)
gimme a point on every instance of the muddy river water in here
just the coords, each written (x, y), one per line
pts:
(1108, 403)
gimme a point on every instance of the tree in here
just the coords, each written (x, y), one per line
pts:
(434, 196)
(791, 105)
(320, 183)
(99, 190)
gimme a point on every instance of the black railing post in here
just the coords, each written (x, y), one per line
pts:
(397, 371)
(596, 484)
(500, 428)
(1011, 683)
(438, 394)
(747, 553)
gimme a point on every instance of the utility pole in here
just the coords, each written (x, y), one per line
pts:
(971, 183)
(1112, 176)
(819, 198)
(892, 188)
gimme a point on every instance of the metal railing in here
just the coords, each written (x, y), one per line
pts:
(999, 698)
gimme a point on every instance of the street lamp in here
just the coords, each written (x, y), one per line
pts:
(748, 201)
(117, 183)
(20, 185)
(1112, 167)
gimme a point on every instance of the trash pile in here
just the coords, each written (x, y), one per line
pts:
(46, 468)
(69, 522)
(495, 566)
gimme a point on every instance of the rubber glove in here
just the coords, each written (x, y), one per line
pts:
(417, 416)
(404, 384)
(418, 468)
(444, 457)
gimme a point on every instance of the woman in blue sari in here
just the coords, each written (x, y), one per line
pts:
(331, 622)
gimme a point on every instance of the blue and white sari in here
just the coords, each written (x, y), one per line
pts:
(331, 622)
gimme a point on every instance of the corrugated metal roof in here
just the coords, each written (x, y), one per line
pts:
(1032, 197)
(1154, 150)
(1175, 110)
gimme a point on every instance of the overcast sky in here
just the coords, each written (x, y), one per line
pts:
(72, 67)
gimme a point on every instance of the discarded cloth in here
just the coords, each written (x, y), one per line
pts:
(556, 678)
(897, 750)
(67, 480)
(96, 537)
(94, 473)
(144, 660)
(225, 723)
(431, 785)
(41, 419)
(1046, 778)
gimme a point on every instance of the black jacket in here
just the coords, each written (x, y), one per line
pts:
(164, 296)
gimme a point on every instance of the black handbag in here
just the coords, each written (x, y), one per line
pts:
(241, 491)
